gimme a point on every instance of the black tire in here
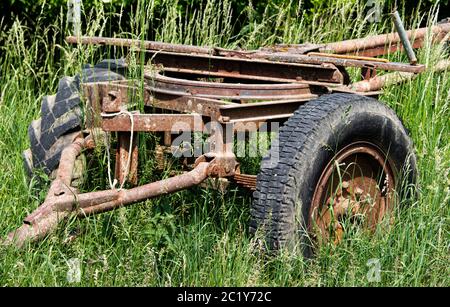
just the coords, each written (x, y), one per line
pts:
(61, 116)
(285, 188)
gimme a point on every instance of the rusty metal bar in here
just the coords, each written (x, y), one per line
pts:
(56, 208)
(142, 44)
(378, 82)
(150, 190)
(128, 93)
(363, 46)
(35, 231)
(300, 58)
(61, 185)
(68, 157)
(242, 67)
(388, 49)
(45, 219)
(404, 38)
(180, 52)
(358, 46)
(216, 109)
(224, 90)
(154, 122)
(122, 156)
(261, 111)
(126, 197)
(346, 56)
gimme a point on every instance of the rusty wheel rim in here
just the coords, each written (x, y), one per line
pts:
(356, 187)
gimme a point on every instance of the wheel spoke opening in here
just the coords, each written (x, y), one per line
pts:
(354, 190)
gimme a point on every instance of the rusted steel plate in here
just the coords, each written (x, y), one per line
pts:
(154, 122)
(247, 181)
(185, 104)
(244, 68)
(219, 90)
(113, 101)
(152, 97)
(190, 73)
(260, 111)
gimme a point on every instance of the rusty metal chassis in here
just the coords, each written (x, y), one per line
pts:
(218, 109)
(249, 90)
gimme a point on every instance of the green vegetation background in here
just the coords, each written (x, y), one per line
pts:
(199, 237)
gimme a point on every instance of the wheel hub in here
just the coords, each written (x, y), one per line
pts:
(355, 188)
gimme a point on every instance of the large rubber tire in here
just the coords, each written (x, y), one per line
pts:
(61, 116)
(285, 186)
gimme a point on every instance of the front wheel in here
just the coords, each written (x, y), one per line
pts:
(341, 160)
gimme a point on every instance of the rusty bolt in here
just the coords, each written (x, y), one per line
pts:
(214, 170)
(224, 119)
(358, 191)
(113, 95)
(112, 103)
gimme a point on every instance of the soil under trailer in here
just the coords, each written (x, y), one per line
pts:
(340, 154)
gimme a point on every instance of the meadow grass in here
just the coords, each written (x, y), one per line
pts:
(199, 237)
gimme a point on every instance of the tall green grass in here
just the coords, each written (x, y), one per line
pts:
(199, 236)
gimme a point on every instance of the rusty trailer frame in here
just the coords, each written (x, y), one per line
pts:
(249, 90)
